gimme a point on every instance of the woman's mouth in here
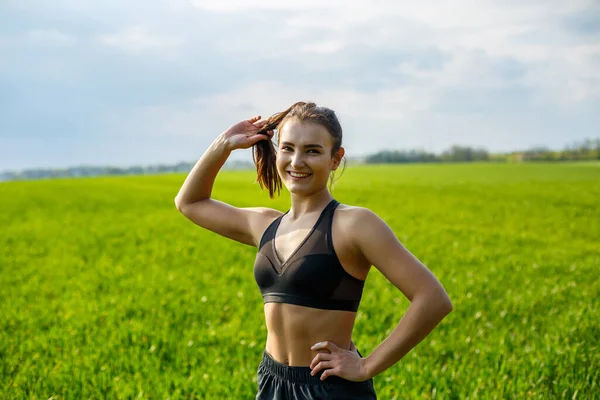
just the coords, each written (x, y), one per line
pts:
(298, 175)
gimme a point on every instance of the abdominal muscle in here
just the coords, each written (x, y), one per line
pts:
(292, 330)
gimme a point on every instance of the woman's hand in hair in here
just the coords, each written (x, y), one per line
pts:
(244, 134)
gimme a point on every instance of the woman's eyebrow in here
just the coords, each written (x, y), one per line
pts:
(306, 146)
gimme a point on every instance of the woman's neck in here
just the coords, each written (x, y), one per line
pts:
(302, 205)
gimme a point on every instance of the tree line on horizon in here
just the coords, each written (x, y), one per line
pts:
(587, 150)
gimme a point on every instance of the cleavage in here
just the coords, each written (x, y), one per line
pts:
(293, 242)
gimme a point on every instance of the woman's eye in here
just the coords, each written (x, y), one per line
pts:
(288, 148)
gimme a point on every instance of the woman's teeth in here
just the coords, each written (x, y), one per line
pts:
(298, 175)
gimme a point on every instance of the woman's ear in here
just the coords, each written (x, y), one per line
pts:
(337, 158)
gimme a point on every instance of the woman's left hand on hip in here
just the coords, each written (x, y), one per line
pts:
(347, 364)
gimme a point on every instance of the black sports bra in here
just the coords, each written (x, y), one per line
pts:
(312, 276)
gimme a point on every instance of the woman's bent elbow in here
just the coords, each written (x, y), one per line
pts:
(448, 307)
(445, 304)
(180, 205)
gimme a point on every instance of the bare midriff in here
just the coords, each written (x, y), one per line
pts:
(292, 330)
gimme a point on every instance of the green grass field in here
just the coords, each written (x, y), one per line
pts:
(106, 291)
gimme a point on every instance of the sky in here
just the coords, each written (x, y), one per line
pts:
(107, 82)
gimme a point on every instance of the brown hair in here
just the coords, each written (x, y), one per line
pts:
(264, 152)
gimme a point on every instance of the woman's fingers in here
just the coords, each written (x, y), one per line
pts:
(256, 138)
(332, 347)
(266, 134)
(321, 357)
(333, 360)
(330, 372)
(260, 124)
(320, 366)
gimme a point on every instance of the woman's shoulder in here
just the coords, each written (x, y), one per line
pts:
(364, 230)
(356, 225)
(351, 215)
(260, 218)
(268, 213)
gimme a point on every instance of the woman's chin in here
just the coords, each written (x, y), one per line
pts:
(301, 189)
(294, 187)
(295, 190)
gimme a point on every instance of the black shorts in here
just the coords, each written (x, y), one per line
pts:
(277, 381)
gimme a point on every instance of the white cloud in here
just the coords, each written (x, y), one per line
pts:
(324, 47)
(470, 32)
(241, 5)
(501, 73)
(214, 113)
(137, 39)
(560, 68)
(50, 37)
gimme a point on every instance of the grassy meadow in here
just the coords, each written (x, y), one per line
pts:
(106, 291)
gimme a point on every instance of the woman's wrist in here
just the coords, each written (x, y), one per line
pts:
(368, 367)
(221, 144)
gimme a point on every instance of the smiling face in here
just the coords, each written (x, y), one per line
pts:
(304, 159)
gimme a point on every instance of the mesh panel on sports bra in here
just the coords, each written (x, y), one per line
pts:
(312, 275)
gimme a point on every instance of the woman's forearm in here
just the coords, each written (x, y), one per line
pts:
(423, 314)
(199, 182)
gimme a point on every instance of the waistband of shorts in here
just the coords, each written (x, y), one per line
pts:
(299, 374)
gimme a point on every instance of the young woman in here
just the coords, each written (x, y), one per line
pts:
(312, 260)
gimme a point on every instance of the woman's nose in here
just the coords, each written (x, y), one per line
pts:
(297, 160)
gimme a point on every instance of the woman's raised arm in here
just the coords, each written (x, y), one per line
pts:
(244, 225)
